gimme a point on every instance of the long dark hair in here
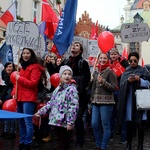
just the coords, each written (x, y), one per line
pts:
(13, 65)
(33, 58)
(43, 76)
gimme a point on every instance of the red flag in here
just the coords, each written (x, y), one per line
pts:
(50, 29)
(34, 20)
(92, 60)
(143, 62)
(125, 53)
(48, 13)
(54, 50)
(51, 19)
(94, 32)
(117, 68)
(10, 14)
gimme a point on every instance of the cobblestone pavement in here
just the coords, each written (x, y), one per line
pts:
(7, 144)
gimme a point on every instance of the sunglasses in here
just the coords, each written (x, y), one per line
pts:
(133, 60)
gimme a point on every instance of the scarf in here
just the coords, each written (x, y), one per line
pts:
(138, 70)
(103, 67)
(25, 64)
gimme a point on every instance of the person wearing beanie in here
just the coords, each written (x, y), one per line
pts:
(82, 76)
(63, 107)
(64, 68)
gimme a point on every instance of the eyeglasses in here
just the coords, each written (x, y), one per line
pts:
(133, 60)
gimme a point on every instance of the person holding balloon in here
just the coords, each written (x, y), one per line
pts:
(25, 92)
(102, 99)
(5, 94)
(62, 107)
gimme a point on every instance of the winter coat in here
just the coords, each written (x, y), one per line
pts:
(5, 90)
(104, 93)
(28, 82)
(63, 106)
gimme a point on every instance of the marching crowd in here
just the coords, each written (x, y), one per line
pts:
(106, 96)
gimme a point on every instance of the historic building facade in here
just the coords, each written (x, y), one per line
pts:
(136, 11)
(84, 26)
(27, 10)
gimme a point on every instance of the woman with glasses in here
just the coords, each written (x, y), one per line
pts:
(135, 77)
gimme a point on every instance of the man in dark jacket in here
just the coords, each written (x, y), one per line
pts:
(82, 76)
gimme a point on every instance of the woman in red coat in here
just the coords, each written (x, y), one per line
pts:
(28, 79)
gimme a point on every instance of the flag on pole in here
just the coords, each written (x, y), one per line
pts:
(48, 13)
(10, 14)
(34, 19)
(65, 31)
(125, 53)
(143, 62)
(42, 28)
(6, 53)
(51, 19)
(94, 32)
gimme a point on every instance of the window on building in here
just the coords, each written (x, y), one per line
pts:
(34, 9)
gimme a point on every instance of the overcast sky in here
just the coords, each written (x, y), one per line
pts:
(107, 12)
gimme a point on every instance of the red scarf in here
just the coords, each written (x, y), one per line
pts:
(103, 67)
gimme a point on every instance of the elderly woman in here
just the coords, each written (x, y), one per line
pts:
(133, 78)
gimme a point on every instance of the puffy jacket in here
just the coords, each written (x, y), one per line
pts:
(28, 82)
(63, 106)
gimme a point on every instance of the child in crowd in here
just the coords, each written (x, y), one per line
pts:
(63, 107)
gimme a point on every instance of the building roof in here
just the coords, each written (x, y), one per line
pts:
(138, 4)
(145, 15)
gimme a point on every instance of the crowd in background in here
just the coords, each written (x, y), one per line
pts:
(106, 99)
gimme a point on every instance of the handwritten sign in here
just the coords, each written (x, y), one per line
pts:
(24, 34)
(134, 32)
(41, 49)
(93, 48)
(90, 47)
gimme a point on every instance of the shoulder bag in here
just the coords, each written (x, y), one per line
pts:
(143, 99)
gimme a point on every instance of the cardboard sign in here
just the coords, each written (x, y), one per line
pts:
(23, 34)
(134, 32)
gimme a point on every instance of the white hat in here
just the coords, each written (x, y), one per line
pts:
(64, 68)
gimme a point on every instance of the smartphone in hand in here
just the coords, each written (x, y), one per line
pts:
(132, 76)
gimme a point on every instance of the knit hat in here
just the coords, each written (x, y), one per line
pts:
(64, 68)
(114, 50)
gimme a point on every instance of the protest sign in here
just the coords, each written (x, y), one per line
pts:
(90, 47)
(134, 32)
(24, 34)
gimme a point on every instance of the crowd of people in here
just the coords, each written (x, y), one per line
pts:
(105, 95)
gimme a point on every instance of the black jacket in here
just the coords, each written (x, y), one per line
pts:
(5, 90)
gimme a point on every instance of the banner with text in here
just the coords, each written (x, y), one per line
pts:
(134, 32)
(90, 47)
(24, 34)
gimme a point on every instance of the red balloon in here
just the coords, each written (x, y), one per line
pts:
(55, 79)
(39, 106)
(10, 105)
(13, 77)
(106, 41)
